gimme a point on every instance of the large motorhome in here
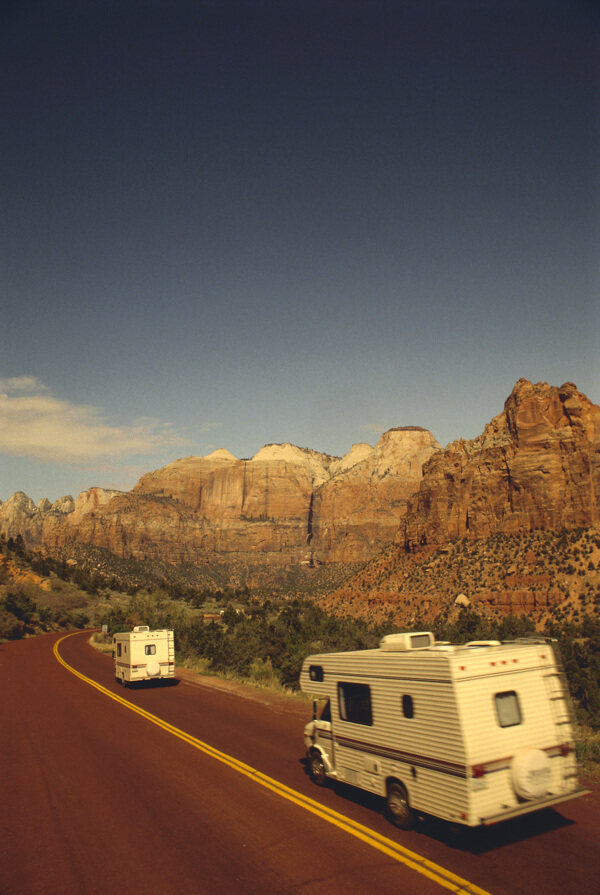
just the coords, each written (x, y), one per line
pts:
(143, 655)
(473, 734)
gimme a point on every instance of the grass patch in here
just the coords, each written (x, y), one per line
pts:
(102, 642)
(587, 748)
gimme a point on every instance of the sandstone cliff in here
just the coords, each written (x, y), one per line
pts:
(535, 466)
(360, 509)
(19, 515)
(286, 504)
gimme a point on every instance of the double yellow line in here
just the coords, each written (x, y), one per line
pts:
(434, 872)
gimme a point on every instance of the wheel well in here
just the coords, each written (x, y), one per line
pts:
(315, 750)
(390, 780)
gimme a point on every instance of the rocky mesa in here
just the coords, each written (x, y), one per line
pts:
(286, 504)
(535, 466)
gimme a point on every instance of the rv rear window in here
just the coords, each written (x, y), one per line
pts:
(355, 703)
(315, 672)
(150, 649)
(508, 710)
(118, 648)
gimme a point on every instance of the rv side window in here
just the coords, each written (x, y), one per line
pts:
(118, 648)
(315, 672)
(150, 649)
(408, 708)
(355, 703)
(508, 710)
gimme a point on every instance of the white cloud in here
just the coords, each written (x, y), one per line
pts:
(22, 384)
(40, 425)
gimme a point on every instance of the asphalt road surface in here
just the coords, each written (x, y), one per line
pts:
(129, 794)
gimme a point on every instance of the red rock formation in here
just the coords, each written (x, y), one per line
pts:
(536, 465)
(20, 516)
(519, 601)
(359, 510)
(287, 504)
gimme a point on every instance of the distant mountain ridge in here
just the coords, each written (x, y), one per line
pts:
(535, 466)
(274, 508)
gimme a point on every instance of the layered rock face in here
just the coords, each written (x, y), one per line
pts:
(536, 465)
(286, 504)
(361, 508)
(19, 515)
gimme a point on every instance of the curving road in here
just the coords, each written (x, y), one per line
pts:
(97, 797)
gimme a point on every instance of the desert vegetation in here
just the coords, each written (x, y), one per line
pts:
(548, 575)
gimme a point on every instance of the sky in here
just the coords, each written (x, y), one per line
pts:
(229, 224)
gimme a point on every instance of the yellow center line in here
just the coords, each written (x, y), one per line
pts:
(435, 872)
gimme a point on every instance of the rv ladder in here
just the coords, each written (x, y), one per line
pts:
(555, 684)
(557, 694)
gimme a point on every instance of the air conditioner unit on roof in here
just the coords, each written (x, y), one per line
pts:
(409, 641)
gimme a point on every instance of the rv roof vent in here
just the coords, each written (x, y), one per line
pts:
(141, 628)
(400, 642)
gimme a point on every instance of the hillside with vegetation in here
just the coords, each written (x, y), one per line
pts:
(549, 576)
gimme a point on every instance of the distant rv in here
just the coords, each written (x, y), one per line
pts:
(144, 655)
(473, 734)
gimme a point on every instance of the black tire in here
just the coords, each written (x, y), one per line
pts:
(398, 808)
(318, 774)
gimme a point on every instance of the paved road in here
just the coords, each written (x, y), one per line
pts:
(99, 798)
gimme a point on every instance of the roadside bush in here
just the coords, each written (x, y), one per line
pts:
(11, 628)
(273, 642)
(20, 605)
(579, 646)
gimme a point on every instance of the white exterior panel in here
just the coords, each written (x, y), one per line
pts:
(486, 724)
(144, 655)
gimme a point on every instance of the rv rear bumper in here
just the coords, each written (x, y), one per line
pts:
(538, 805)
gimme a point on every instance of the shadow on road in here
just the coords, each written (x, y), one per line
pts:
(479, 840)
(150, 685)
(476, 840)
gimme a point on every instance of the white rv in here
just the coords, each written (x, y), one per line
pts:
(143, 655)
(472, 734)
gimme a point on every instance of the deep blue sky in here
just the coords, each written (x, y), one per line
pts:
(228, 224)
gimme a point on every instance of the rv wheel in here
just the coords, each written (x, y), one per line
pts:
(398, 809)
(318, 774)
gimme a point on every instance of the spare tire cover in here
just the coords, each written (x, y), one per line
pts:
(153, 668)
(531, 773)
